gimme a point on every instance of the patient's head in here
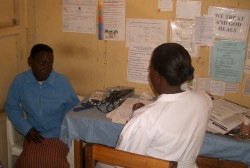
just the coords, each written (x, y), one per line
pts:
(41, 61)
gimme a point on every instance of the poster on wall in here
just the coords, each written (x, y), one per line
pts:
(227, 61)
(111, 20)
(230, 23)
(79, 16)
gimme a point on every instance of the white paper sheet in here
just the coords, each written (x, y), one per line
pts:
(123, 113)
(217, 88)
(204, 30)
(145, 32)
(188, 9)
(79, 18)
(182, 32)
(165, 5)
(138, 63)
(223, 109)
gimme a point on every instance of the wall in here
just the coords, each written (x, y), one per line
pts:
(93, 64)
(89, 63)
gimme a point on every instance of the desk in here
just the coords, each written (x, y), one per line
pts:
(92, 126)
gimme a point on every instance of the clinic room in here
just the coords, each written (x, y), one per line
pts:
(146, 83)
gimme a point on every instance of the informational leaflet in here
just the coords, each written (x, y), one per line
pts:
(113, 20)
(227, 61)
(79, 16)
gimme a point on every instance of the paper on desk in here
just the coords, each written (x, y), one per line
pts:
(224, 126)
(123, 113)
(223, 109)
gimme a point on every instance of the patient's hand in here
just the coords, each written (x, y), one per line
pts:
(137, 106)
(34, 136)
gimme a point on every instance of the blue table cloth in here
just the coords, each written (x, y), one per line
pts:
(92, 126)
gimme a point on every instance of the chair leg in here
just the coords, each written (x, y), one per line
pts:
(10, 164)
(70, 156)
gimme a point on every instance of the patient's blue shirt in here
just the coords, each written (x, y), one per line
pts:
(44, 104)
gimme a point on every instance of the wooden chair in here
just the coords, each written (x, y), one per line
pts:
(208, 162)
(111, 156)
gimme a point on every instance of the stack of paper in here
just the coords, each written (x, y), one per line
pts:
(123, 113)
(226, 115)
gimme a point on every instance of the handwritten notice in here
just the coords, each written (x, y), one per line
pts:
(227, 61)
(230, 23)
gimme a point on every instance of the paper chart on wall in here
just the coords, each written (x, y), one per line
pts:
(146, 32)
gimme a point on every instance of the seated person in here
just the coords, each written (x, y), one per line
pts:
(45, 96)
(173, 127)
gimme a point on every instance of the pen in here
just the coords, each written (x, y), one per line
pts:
(77, 109)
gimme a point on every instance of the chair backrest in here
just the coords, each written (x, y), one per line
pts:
(15, 143)
(112, 156)
(10, 132)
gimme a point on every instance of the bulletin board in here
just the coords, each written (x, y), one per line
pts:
(95, 62)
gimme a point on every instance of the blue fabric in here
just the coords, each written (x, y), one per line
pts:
(45, 105)
(219, 146)
(92, 126)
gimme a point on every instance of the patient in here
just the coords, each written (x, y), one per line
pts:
(45, 96)
(173, 127)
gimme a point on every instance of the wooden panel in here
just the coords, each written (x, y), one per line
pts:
(207, 162)
(9, 15)
(9, 66)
